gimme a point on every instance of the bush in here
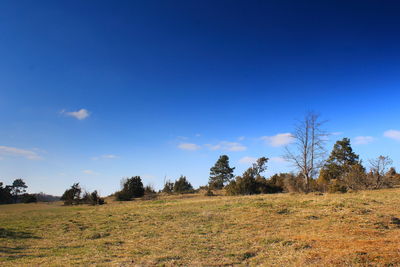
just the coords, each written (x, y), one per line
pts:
(72, 196)
(182, 185)
(168, 187)
(251, 182)
(209, 193)
(28, 198)
(131, 188)
(335, 186)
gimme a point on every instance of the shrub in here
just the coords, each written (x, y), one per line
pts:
(182, 185)
(336, 186)
(28, 198)
(168, 187)
(131, 188)
(72, 196)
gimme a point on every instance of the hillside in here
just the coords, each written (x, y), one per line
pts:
(353, 229)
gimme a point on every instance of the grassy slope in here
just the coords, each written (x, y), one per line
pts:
(297, 230)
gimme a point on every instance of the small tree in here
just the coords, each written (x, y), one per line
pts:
(221, 173)
(251, 182)
(5, 194)
(379, 167)
(131, 188)
(18, 188)
(344, 167)
(168, 187)
(182, 185)
(73, 195)
(309, 140)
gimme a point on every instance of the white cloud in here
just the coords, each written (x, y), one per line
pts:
(363, 140)
(279, 139)
(13, 151)
(278, 160)
(227, 146)
(189, 146)
(80, 114)
(89, 172)
(337, 133)
(241, 138)
(106, 156)
(247, 160)
(393, 134)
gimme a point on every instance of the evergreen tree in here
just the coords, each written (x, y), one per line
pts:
(221, 173)
(72, 195)
(340, 161)
(5, 194)
(131, 188)
(18, 188)
(182, 185)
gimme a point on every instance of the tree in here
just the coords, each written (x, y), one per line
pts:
(379, 167)
(221, 173)
(309, 140)
(5, 194)
(168, 187)
(18, 188)
(182, 185)
(73, 195)
(344, 168)
(251, 182)
(131, 188)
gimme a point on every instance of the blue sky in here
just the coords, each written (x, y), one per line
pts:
(93, 91)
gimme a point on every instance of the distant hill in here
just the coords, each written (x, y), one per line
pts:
(42, 197)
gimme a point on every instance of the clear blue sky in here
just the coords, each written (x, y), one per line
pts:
(93, 91)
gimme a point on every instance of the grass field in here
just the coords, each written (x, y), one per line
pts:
(354, 229)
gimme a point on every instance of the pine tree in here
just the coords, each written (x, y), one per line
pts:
(221, 173)
(341, 159)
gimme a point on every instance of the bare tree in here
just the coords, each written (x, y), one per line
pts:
(309, 140)
(379, 167)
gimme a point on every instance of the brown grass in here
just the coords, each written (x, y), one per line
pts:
(355, 229)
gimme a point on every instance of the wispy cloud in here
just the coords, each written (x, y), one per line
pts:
(247, 160)
(79, 114)
(392, 134)
(90, 172)
(281, 139)
(337, 133)
(227, 146)
(13, 151)
(189, 146)
(241, 138)
(106, 156)
(363, 140)
(278, 160)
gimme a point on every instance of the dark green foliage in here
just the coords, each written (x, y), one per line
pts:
(93, 198)
(131, 188)
(339, 161)
(72, 196)
(168, 187)
(18, 188)
(221, 173)
(5, 194)
(251, 182)
(149, 190)
(182, 185)
(28, 198)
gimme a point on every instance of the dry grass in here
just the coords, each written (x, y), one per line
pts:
(355, 229)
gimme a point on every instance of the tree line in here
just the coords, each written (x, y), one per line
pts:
(16, 193)
(342, 171)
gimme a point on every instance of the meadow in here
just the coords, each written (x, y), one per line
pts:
(352, 229)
